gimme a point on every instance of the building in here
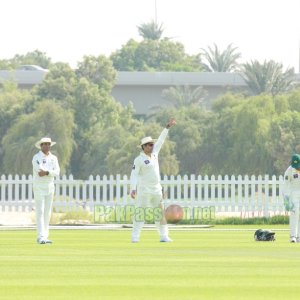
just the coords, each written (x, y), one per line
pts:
(144, 89)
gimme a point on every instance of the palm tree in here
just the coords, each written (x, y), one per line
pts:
(268, 77)
(218, 61)
(151, 30)
(184, 95)
(179, 96)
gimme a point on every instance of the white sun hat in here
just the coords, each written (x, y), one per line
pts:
(146, 140)
(44, 140)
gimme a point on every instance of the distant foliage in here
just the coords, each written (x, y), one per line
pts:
(35, 57)
(220, 61)
(239, 134)
(48, 119)
(151, 30)
(154, 55)
(268, 77)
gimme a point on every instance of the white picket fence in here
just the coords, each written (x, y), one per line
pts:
(256, 195)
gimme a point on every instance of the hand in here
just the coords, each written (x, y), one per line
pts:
(171, 123)
(288, 204)
(43, 173)
(133, 194)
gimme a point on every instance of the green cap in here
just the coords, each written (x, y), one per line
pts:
(295, 161)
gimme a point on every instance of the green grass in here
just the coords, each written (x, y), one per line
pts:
(96, 264)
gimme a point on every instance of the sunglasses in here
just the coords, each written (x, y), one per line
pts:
(150, 144)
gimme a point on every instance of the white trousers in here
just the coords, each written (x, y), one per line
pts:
(143, 201)
(295, 216)
(43, 208)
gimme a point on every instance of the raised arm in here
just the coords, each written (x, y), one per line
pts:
(163, 135)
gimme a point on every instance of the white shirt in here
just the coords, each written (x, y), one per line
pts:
(145, 174)
(48, 163)
(291, 181)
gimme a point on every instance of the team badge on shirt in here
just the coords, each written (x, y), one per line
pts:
(44, 161)
(295, 175)
(147, 161)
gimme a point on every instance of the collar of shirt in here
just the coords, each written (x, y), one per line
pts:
(146, 156)
(43, 154)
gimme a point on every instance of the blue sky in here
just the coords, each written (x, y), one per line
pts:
(67, 30)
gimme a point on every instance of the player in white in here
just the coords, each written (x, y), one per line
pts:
(291, 191)
(145, 183)
(45, 168)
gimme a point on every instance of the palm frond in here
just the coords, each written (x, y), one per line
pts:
(220, 61)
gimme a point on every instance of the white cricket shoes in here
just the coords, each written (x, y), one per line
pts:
(293, 240)
(166, 239)
(41, 241)
(44, 241)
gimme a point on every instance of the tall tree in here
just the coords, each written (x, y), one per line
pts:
(93, 106)
(253, 135)
(187, 135)
(124, 59)
(108, 151)
(151, 30)
(14, 103)
(268, 77)
(59, 85)
(220, 61)
(95, 111)
(284, 139)
(35, 57)
(98, 70)
(154, 55)
(50, 119)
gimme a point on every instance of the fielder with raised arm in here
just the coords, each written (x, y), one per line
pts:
(145, 182)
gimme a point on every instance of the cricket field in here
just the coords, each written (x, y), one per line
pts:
(104, 264)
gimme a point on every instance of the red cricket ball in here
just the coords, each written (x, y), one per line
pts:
(174, 213)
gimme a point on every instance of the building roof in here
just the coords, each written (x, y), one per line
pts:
(31, 78)
(180, 78)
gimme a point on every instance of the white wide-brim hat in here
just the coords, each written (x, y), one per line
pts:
(146, 140)
(44, 140)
